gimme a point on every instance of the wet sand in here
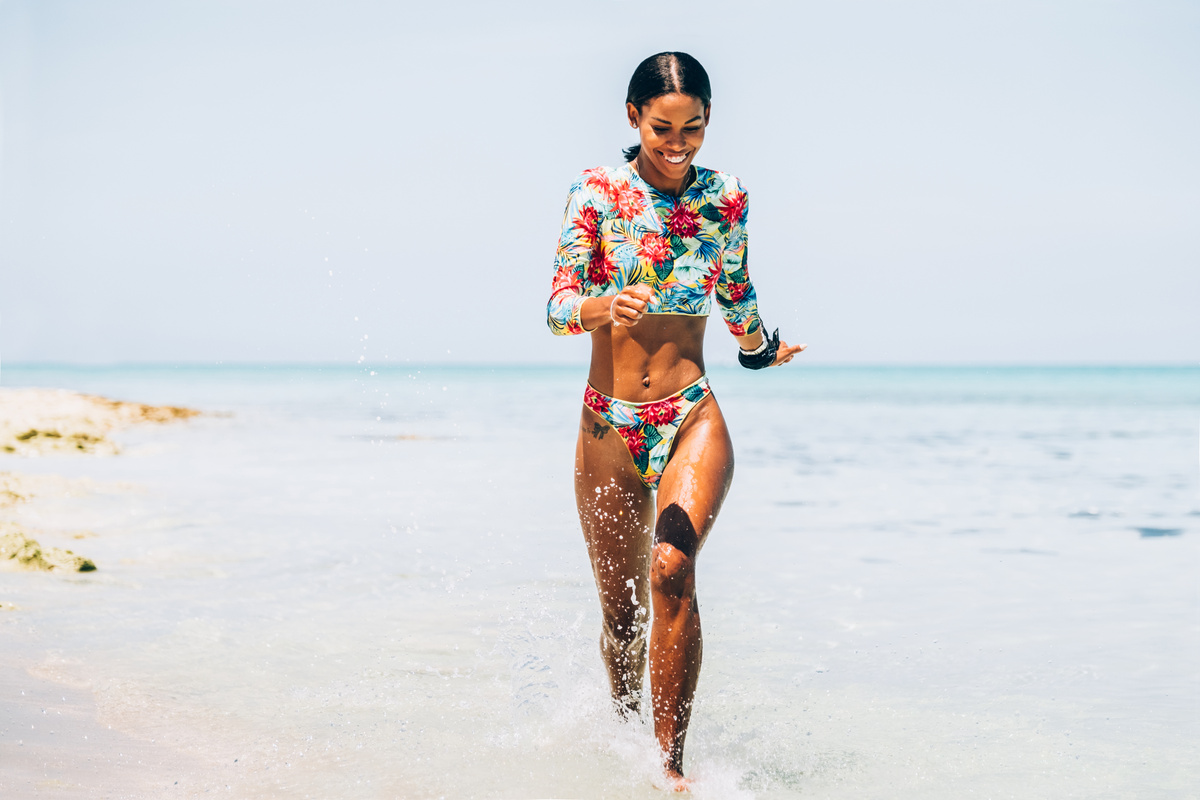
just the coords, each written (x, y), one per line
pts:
(54, 744)
(42, 421)
(38, 422)
(938, 586)
(53, 740)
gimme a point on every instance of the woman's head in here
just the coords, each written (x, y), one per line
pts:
(668, 102)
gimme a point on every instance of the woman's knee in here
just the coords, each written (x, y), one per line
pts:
(672, 572)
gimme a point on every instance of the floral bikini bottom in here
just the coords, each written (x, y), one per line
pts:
(648, 428)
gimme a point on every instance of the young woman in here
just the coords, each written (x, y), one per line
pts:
(643, 248)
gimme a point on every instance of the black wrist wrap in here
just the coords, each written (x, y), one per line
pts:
(764, 359)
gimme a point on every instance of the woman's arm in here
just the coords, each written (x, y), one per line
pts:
(579, 237)
(570, 311)
(625, 308)
(735, 292)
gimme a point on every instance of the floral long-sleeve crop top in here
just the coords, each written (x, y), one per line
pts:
(619, 230)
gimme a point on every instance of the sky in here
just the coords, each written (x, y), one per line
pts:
(379, 182)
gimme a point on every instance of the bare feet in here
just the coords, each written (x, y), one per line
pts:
(678, 783)
(628, 707)
(675, 782)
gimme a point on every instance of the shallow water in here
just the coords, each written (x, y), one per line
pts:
(926, 583)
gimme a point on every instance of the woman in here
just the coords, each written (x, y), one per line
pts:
(642, 250)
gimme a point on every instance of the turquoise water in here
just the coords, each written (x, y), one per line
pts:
(927, 582)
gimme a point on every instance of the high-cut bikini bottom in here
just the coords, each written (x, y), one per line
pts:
(648, 428)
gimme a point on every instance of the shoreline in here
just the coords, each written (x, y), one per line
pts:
(46, 422)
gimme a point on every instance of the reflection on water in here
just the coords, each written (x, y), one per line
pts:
(925, 583)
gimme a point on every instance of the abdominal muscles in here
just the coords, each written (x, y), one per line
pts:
(660, 355)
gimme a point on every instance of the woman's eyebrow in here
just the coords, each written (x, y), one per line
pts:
(660, 119)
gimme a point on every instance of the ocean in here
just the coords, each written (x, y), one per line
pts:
(370, 582)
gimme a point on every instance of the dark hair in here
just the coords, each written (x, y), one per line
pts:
(666, 73)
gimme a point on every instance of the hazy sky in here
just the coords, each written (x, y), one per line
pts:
(966, 182)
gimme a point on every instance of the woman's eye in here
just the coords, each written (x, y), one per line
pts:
(661, 130)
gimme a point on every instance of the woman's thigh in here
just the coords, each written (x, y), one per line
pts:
(616, 511)
(696, 479)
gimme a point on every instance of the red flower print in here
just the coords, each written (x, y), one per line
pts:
(737, 291)
(596, 179)
(565, 279)
(710, 280)
(635, 440)
(629, 202)
(654, 248)
(733, 208)
(659, 413)
(736, 328)
(587, 222)
(596, 401)
(601, 268)
(683, 222)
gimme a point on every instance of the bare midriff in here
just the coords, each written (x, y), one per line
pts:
(654, 359)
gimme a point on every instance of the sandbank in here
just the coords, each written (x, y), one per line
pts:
(39, 421)
(35, 422)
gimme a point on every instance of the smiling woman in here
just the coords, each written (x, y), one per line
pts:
(687, 107)
(644, 247)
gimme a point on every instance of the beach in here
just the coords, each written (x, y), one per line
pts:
(925, 583)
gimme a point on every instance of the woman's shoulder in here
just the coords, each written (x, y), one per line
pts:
(715, 182)
(600, 181)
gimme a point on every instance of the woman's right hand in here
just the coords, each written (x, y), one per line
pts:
(628, 306)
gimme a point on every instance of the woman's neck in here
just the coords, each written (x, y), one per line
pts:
(666, 185)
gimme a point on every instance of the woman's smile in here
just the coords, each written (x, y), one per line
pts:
(671, 127)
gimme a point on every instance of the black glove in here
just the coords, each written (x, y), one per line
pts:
(764, 356)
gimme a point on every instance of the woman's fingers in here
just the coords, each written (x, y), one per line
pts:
(641, 291)
(786, 353)
(630, 304)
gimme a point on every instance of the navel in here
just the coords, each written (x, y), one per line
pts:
(646, 381)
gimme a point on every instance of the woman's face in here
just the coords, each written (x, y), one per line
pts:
(672, 129)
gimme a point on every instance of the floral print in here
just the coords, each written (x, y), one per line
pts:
(619, 230)
(648, 429)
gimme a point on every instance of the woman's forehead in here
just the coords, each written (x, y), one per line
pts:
(675, 107)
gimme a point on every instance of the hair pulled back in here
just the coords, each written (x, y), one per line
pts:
(666, 73)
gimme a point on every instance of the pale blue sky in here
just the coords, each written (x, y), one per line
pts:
(931, 182)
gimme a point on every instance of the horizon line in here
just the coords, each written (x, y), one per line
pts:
(332, 365)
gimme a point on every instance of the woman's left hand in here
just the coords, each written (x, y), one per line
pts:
(786, 353)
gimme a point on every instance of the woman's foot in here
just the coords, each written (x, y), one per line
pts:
(628, 707)
(673, 781)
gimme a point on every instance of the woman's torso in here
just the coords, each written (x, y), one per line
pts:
(660, 355)
(675, 245)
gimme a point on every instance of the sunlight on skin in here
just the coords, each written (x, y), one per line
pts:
(647, 359)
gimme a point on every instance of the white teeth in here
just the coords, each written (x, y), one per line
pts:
(675, 159)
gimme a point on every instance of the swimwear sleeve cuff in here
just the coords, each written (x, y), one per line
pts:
(577, 315)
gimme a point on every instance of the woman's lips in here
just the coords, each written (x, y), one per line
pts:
(674, 158)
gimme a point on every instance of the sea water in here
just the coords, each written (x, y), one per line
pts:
(368, 583)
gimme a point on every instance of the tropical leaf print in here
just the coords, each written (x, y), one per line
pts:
(707, 247)
(648, 429)
(617, 230)
(710, 212)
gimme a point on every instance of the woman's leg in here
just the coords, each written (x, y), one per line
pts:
(616, 511)
(690, 493)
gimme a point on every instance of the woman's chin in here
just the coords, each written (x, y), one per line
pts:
(674, 171)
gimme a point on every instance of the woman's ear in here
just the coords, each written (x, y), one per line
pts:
(631, 110)
(707, 111)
